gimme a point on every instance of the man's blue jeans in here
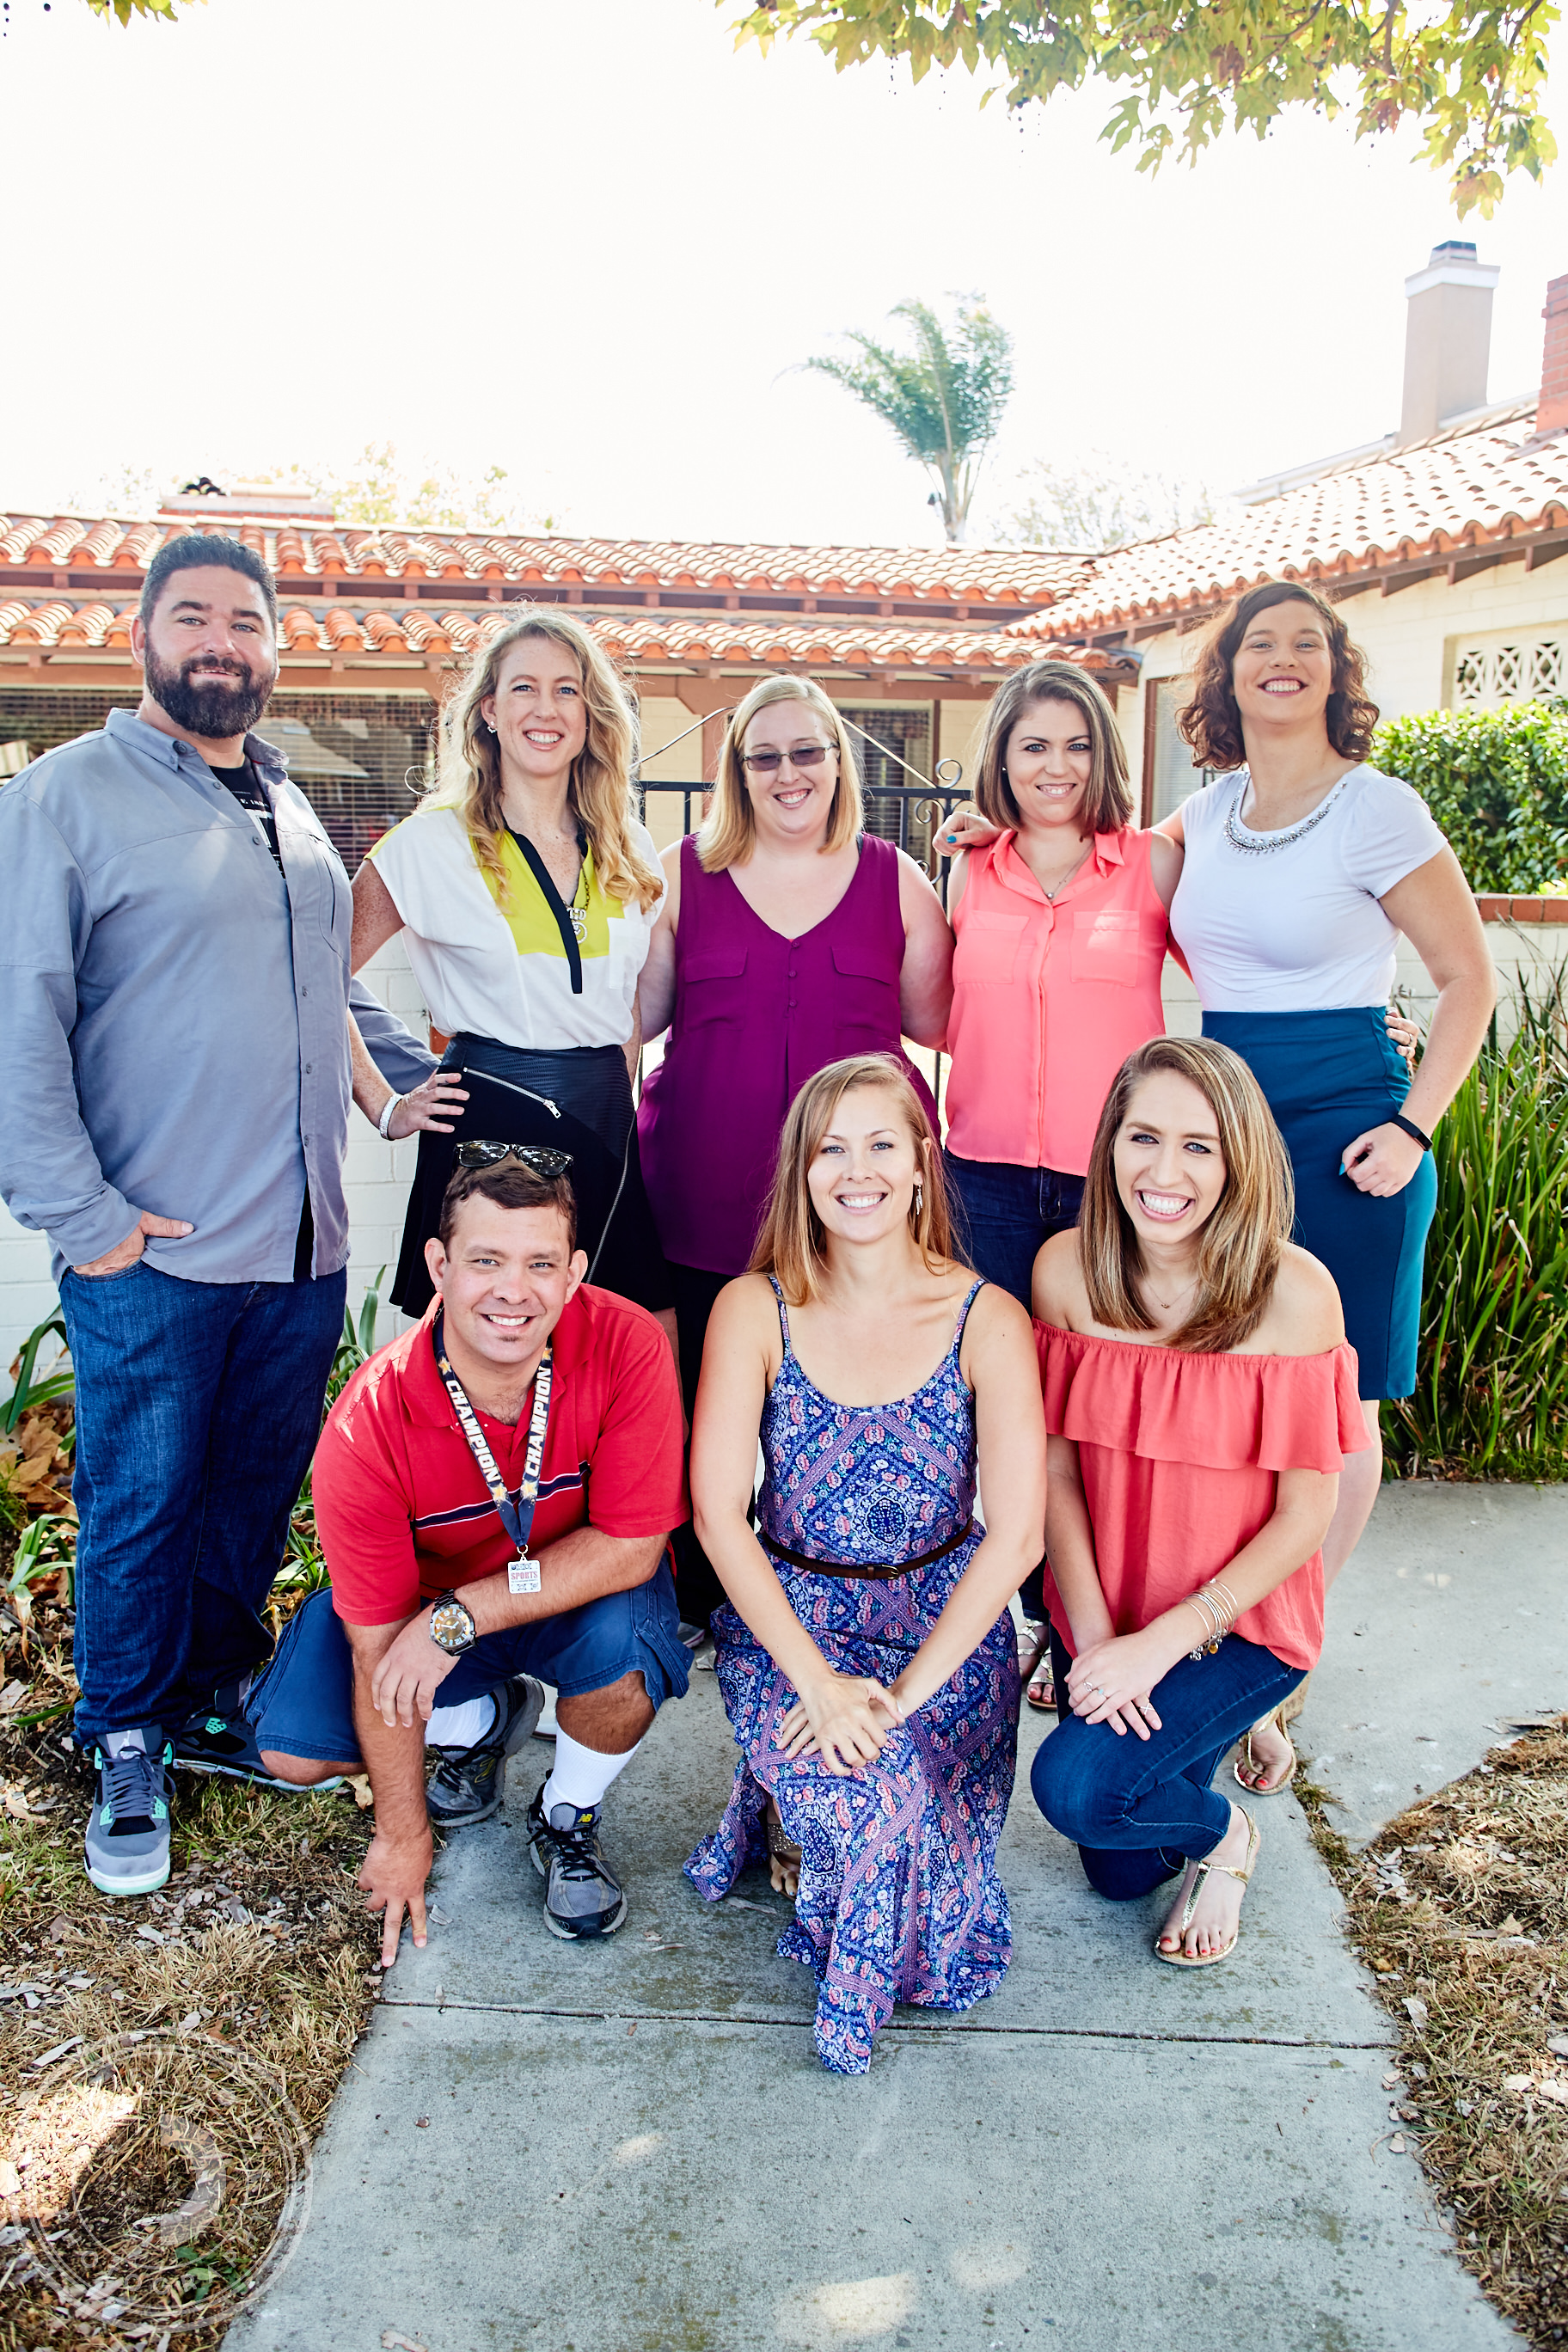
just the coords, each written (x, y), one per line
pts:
(197, 1409)
(1141, 1809)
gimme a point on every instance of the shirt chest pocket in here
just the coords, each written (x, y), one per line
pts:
(865, 991)
(712, 987)
(1106, 945)
(988, 946)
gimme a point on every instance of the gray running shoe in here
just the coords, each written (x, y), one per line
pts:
(582, 1896)
(127, 1844)
(468, 1783)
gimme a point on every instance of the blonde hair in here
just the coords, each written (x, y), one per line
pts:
(1107, 802)
(730, 828)
(793, 1245)
(600, 793)
(1238, 1247)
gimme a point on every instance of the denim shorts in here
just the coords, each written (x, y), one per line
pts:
(303, 1705)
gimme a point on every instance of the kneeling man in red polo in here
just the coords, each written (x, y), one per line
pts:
(494, 1493)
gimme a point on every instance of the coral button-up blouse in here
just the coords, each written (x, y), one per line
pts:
(1179, 1456)
(1049, 999)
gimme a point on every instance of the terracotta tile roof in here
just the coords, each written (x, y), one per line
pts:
(1017, 576)
(1469, 487)
(642, 642)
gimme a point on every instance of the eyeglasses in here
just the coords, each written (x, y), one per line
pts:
(768, 764)
(543, 1158)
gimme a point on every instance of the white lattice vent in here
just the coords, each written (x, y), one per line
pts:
(1518, 665)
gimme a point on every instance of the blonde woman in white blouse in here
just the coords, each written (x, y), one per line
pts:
(527, 891)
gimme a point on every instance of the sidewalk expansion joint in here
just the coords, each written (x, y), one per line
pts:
(803, 2025)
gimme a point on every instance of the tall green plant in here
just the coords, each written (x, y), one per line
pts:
(1497, 782)
(1491, 1386)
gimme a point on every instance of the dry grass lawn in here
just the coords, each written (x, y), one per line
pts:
(1460, 1908)
(199, 2035)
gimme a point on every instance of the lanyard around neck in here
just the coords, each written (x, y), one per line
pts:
(516, 1515)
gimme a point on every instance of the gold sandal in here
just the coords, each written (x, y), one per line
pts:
(784, 1854)
(1180, 1959)
(1275, 1788)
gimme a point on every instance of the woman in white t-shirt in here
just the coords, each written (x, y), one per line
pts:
(1301, 867)
(528, 890)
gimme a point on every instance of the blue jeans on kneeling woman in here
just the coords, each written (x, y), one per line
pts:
(1141, 1809)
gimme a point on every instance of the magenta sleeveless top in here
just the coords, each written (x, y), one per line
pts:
(756, 1015)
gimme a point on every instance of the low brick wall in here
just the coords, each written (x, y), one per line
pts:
(1529, 939)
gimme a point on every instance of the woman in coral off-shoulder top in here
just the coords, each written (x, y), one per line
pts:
(1199, 1396)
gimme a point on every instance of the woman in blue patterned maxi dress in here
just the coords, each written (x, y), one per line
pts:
(866, 1656)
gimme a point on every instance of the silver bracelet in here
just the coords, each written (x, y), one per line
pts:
(384, 1121)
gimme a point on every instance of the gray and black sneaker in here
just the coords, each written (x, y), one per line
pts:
(220, 1739)
(582, 1896)
(468, 1783)
(127, 1844)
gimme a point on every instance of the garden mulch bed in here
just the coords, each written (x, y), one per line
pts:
(164, 2063)
(1460, 1909)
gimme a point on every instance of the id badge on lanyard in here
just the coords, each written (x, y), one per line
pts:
(516, 1515)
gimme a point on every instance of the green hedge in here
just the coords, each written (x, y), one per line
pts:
(1497, 782)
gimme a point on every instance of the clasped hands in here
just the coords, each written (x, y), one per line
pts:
(843, 1719)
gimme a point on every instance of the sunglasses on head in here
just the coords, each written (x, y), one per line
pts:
(768, 764)
(541, 1157)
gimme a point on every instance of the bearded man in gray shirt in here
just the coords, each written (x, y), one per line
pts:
(175, 993)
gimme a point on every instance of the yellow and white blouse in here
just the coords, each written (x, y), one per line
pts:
(504, 973)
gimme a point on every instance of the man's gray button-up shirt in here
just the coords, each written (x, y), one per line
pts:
(175, 1010)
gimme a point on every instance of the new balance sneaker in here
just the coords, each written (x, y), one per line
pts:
(127, 1842)
(582, 1896)
(220, 1740)
(468, 1783)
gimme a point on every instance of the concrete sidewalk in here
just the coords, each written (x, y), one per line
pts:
(633, 2148)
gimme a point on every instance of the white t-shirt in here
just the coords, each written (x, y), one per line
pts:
(1298, 929)
(504, 973)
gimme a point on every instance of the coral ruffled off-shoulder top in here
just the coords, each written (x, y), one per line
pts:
(1179, 1454)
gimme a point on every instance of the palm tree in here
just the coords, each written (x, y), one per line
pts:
(945, 402)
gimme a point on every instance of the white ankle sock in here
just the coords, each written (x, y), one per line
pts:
(463, 1726)
(582, 1775)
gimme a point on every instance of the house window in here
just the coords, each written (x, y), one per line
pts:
(1170, 771)
(1507, 666)
(899, 734)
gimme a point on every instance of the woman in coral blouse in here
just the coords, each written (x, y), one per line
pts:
(1060, 922)
(1199, 1396)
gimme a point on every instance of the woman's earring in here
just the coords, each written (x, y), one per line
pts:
(919, 1196)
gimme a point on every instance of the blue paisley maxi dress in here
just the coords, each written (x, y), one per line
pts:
(898, 1898)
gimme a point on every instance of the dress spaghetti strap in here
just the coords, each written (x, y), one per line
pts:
(975, 1290)
(783, 1313)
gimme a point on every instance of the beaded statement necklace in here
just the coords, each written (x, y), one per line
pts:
(1264, 845)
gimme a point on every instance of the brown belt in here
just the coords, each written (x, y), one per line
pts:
(877, 1574)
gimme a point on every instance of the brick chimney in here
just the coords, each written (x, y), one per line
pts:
(1448, 339)
(1553, 412)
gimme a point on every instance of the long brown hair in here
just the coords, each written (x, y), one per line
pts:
(730, 827)
(1107, 802)
(600, 793)
(793, 1245)
(1239, 1248)
(1210, 719)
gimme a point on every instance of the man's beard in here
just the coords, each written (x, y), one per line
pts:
(213, 707)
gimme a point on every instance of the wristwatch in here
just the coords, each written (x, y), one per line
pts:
(452, 1628)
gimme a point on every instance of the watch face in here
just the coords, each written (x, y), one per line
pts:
(451, 1627)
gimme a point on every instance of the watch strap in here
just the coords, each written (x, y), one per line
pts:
(1412, 1131)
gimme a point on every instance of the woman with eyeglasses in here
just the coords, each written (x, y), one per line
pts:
(788, 938)
(527, 891)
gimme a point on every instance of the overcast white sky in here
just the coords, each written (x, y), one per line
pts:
(589, 243)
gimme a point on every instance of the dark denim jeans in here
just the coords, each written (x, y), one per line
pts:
(1141, 1809)
(1006, 1214)
(197, 1409)
(1004, 1217)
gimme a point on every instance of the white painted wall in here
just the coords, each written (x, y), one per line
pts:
(377, 1175)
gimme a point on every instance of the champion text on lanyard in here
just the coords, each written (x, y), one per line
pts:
(516, 1513)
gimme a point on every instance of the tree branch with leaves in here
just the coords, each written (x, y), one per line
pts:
(1471, 81)
(943, 401)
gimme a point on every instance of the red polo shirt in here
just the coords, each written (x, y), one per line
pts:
(401, 1508)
